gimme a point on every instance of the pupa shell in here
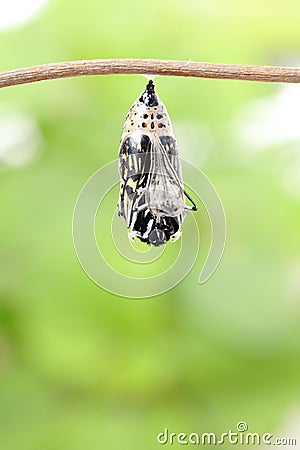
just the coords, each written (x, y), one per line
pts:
(152, 196)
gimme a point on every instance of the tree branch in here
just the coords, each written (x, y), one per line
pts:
(149, 66)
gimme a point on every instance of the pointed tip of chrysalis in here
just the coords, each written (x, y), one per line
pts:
(149, 97)
(150, 84)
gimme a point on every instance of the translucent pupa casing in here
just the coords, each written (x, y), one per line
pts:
(151, 200)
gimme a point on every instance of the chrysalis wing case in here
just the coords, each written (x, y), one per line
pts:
(152, 196)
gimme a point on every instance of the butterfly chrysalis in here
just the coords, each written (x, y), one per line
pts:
(152, 196)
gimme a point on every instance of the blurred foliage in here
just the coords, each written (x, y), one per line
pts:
(80, 368)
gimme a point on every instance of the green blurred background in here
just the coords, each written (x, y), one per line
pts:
(83, 369)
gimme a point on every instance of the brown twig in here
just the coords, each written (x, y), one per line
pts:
(149, 66)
